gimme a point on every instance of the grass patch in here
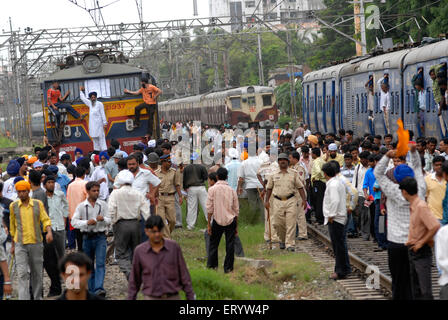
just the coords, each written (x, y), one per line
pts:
(7, 143)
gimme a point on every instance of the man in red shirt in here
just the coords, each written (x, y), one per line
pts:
(150, 94)
(55, 102)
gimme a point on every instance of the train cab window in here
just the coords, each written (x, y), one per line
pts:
(267, 100)
(251, 101)
(236, 103)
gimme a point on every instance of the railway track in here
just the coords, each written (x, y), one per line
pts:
(362, 257)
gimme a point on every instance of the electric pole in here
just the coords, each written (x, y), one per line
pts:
(260, 58)
(291, 78)
(360, 26)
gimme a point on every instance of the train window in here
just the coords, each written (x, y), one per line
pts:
(267, 100)
(376, 103)
(251, 101)
(429, 99)
(236, 103)
(357, 103)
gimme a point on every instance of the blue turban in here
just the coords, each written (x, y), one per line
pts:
(104, 154)
(93, 93)
(78, 150)
(13, 168)
(403, 171)
(17, 179)
(53, 169)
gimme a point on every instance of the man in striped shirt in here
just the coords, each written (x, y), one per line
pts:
(398, 214)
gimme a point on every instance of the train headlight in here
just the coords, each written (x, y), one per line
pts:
(91, 63)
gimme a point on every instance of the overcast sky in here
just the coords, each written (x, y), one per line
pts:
(39, 14)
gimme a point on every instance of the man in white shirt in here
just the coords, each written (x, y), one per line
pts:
(125, 207)
(383, 83)
(99, 175)
(247, 179)
(335, 213)
(146, 183)
(441, 248)
(286, 130)
(361, 168)
(92, 218)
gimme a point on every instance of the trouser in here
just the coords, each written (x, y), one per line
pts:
(79, 239)
(178, 210)
(143, 236)
(380, 236)
(150, 110)
(421, 123)
(364, 221)
(95, 248)
(442, 121)
(29, 256)
(398, 259)
(274, 236)
(338, 242)
(71, 237)
(195, 194)
(444, 292)
(53, 252)
(99, 143)
(215, 238)
(386, 120)
(285, 219)
(372, 211)
(301, 219)
(126, 238)
(69, 109)
(166, 210)
(239, 252)
(255, 205)
(318, 196)
(420, 269)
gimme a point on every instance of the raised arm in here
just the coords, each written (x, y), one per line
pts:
(82, 96)
(134, 93)
(416, 165)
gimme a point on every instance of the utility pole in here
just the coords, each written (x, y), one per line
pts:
(260, 58)
(291, 75)
(360, 26)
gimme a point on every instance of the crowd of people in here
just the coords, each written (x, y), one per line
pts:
(59, 210)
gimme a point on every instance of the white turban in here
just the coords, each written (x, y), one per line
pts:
(125, 177)
(233, 153)
(300, 140)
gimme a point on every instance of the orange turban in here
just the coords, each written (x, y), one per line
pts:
(244, 155)
(23, 185)
(313, 139)
(31, 160)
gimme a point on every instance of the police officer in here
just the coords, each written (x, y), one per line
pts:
(294, 162)
(168, 187)
(284, 186)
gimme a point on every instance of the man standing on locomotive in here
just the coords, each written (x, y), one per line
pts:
(55, 102)
(97, 119)
(150, 94)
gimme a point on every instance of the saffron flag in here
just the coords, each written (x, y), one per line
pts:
(403, 139)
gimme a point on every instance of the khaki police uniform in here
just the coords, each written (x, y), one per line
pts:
(167, 189)
(284, 189)
(266, 170)
(301, 219)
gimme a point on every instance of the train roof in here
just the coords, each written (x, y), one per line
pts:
(107, 70)
(224, 93)
(386, 61)
(326, 73)
(427, 52)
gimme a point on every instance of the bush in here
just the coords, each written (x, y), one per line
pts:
(284, 119)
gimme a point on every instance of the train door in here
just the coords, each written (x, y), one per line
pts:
(348, 111)
(308, 106)
(333, 107)
(324, 107)
(316, 123)
(395, 107)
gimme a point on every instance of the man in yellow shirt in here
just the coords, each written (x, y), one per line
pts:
(332, 154)
(436, 188)
(26, 216)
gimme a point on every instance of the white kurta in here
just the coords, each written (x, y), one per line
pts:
(97, 119)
